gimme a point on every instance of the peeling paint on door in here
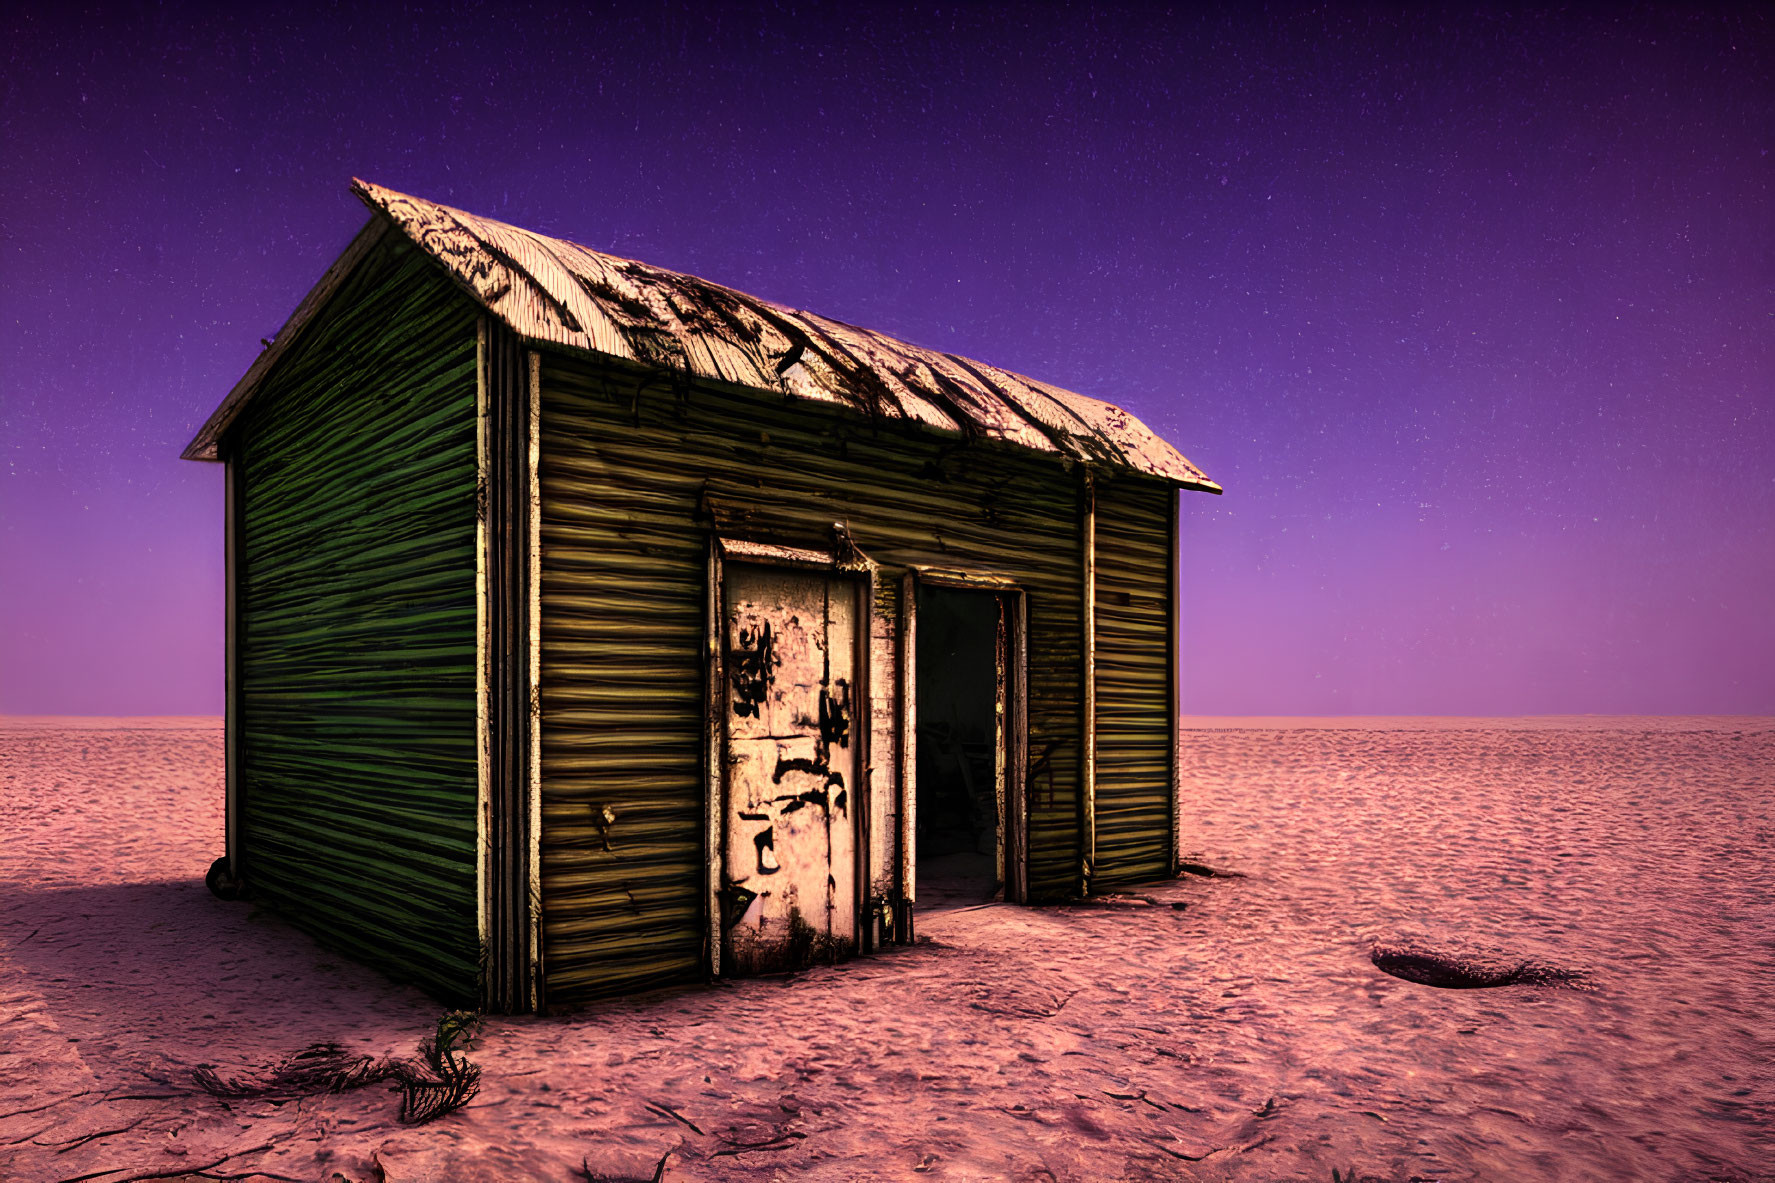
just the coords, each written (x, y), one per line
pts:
(790, 852)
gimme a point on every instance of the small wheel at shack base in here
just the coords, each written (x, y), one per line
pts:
(221, 882)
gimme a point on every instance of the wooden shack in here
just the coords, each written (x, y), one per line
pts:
(594, 627)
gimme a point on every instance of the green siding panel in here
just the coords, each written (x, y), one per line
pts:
(356, 602)
(1133, 686)
(624, 548)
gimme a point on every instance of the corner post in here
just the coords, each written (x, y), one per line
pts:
(1004, 843)
(715, 755)
(231, 718)
(1088, 767)
(1174, 675)
(906, 762)
(533, 621)
(863, 694)
(1019, 757)
(486, 867)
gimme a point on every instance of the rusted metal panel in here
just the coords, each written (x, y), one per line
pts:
(1135, 720)
(356, 626)
(853, 362)
(635, 475)
(789, 890)
(556, 293)
(1117, 438)
(951, 385)
(844, 559)
(510, 271)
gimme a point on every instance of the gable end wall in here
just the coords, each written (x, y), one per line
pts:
(356, 625)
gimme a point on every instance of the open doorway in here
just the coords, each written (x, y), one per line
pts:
(960, 730)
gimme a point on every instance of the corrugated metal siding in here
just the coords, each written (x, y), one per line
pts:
(1133, 689)
(624, 475)
(357, 618)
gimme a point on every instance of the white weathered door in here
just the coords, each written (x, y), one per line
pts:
(789, 864)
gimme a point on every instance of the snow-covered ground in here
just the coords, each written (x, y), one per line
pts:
(1244, 1037)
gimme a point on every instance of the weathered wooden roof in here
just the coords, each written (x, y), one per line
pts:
(557, 293)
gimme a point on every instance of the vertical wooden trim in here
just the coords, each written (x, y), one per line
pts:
(908, 754)
(714, 754)
(485, 868)
(1019, 757)
(508, 679)
(533, 615)
(231, 721)
(863, 729)
(1001, 747)
(1088, 769)
(1173, 701)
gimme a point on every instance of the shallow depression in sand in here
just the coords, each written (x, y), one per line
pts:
(1248, 1035)
(1635, 850)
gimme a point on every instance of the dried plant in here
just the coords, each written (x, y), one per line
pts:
(453, 1080)
(440, 1081)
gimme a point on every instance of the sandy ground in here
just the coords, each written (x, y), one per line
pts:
(1243, 1037)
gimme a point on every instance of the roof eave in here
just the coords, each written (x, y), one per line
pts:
(1195, 484)
(204, 444)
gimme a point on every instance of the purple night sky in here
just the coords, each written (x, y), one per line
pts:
(1474, 317)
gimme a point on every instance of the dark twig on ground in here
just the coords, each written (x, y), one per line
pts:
(780, 1140)
(668, 1111)
(1239, 1148)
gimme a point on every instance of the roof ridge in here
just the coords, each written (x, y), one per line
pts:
(723, 334)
